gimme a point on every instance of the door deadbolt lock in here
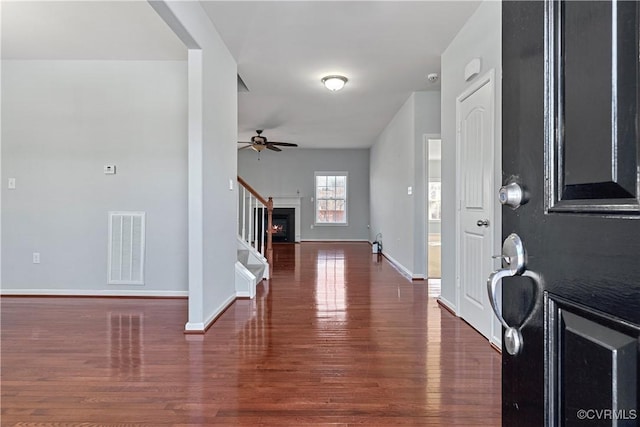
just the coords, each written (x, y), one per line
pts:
(511, 195)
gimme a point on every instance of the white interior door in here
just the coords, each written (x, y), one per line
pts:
(475, 121)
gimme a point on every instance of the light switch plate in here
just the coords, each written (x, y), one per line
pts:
(11, 184)
(409, 190)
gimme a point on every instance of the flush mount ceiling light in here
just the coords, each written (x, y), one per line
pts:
(334, 83)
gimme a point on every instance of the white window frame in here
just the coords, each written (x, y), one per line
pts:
(346, 198)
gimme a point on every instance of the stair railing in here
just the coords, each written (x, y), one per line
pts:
(253, 228)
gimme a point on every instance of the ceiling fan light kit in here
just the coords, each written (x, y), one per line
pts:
(259, 143)
(334, 83)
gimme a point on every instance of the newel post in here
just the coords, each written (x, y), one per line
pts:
(269, 232)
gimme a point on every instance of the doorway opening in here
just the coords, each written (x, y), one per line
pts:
(434, 241)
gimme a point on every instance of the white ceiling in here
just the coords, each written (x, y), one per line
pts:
(129, 30)
(283, 49)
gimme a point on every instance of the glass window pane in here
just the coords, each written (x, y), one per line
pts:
(322, 209)
(331, 193)
(331, 199)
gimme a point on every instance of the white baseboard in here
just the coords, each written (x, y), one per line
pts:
(201, 327)
(194, 327)
(93, 293)
(448, 304)
(401, 268)
(218, 311)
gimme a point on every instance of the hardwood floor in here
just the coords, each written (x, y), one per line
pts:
(336, 338)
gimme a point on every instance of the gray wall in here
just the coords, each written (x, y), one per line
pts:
(397, 162)
(62, 121)
(290, 173)
(481, 37)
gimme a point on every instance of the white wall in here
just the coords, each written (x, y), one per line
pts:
(213, 129)
(64, 120)
(397, 162)
(481, 37)
(290, 173)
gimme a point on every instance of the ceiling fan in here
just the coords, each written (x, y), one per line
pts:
(259, 143)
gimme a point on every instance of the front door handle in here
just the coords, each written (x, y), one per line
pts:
(512, 336)
(514, 257)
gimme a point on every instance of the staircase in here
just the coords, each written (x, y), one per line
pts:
(256, 269)
(254, 240)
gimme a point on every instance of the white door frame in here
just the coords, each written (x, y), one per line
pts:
(495, 217)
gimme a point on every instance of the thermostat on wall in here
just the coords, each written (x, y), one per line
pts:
(109, 169)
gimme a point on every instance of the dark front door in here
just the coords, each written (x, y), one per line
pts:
(571, 140)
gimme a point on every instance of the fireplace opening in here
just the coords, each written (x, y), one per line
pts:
(283, 225)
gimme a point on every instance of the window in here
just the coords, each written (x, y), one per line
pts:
(331, 198)
(434, 201)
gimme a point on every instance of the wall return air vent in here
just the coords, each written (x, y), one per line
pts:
(126, 248)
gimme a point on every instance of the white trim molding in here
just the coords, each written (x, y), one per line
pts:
(93, 293)
(448, 304)
(316, 174)
(398, 266)
(291, 202)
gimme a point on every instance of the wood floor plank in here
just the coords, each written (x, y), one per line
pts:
(336, 338)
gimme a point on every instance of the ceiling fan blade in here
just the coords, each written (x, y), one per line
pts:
(246, 146)
(272, 147)
(284, 144)
(245, 142)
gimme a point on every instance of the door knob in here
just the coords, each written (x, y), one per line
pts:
(482, 223)
(514, 261)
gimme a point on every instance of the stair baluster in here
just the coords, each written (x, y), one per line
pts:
(256, 234)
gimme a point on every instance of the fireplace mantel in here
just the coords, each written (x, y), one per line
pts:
(291, 202)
